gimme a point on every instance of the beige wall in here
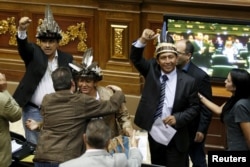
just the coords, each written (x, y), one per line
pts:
(11, 86)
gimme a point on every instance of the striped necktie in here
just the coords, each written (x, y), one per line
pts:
(158, 112)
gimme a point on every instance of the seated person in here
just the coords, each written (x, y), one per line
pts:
(97, 138)
(230, 51)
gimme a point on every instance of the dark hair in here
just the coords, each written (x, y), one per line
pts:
(91, 75)
(49, 35)
(241, 81)
(61, 78)
(189, 47)
(91, 72)
(49, 39)
(98, 134)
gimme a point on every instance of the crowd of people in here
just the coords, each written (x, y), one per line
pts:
(72, 120)
(207, 47)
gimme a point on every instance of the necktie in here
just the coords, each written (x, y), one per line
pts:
(158, 112)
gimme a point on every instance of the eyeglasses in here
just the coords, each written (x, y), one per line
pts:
(181, 53)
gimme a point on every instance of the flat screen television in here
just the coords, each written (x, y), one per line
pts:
(220, 43)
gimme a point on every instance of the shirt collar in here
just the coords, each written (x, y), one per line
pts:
(170, 75)
(185, 68)
(56, 55)
(94, 150)
(97, 95)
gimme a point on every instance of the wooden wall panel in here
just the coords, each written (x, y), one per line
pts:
(117, 30)
(8, 21)
(116, 41)
(11, 65)
(216, 136)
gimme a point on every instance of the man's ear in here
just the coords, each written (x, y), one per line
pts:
(157, 60)
(73, 86)
(84, 138)
(107, 144)
(73, 82)
(189, 55)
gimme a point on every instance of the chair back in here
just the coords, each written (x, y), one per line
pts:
(219, 59)
(221, 71)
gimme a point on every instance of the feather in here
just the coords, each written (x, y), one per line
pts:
(163, 32)
(75, 67)
(87, 57)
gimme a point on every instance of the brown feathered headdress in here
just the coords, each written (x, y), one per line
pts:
(165, 42)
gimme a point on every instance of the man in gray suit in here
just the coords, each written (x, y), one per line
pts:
(97, 138)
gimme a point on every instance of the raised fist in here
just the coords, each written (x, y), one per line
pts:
(24, 22)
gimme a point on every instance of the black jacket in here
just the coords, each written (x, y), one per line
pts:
(202, 121)
(36, 63)
(186, 101)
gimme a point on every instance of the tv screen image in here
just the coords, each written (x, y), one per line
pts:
(220, 44)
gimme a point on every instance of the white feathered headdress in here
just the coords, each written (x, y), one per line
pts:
(49, 29)
(87, 69)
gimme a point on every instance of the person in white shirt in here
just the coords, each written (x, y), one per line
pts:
(40, 60)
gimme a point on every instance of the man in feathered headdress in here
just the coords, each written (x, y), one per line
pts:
(87, 75)
(169, 100)
(40, 60)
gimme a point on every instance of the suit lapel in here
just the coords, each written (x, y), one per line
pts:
(62, 61)
(179, 89)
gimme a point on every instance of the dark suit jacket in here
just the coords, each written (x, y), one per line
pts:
(202, 121)
(36, 63)
(186, 102)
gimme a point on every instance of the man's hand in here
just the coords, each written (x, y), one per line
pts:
(128, 131)
(114, 88)
(3, 83)
(32, 124)
(147, 35)
(133, 140)
(24, 22)
(170, 120)
(199, 137)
